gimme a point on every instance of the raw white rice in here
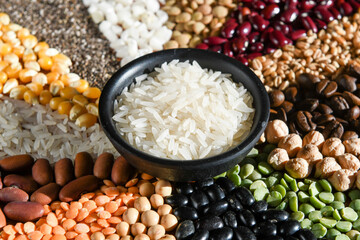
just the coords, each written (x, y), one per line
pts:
(182, 111)
(41, 132)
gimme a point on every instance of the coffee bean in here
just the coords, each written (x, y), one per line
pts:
(281, 114)
(354, 69)
(292, 94)
(346, 82)
(292, 128)
(324, 119)
(287, 106)
(353, 113)
(309, 104)
(349, 135)
(307, 81)
(326, 88)
(351, 98)
(339, 104)
(325, 109)
(304, 121)
(333, 129)
(277, 97)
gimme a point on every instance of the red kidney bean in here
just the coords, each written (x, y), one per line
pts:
(244, 29)
(308, 24)
(13, 194)
(243, 12)
(270, 11)
(215, 48)
(2, 219)
(16, 163)
(1, 183)
(335, 13)
(323, 14)
(103, 165)
(346, 9)
(75, 188)
(83, 164)
(243, 60)
(278, 39)
(253, 55)
(230, 21)
(24, 211)
(42, 172)
(258, 22)
(320, 24)
(354, 4)
(269, 50)
(307, 5)
(258, 5)
(64, 171)
(291, 4)
(25, 183)
(227, 49)
(265, 34)
(295, 35)
(257, 47)
(46, 194)
(289, 15)
(284, 28)
(229, 30)
(214, 40)
(239, 45)
(121, 171)
(253, 37)
(202, 46)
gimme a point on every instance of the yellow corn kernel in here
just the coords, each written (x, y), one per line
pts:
(55, 87)
(64, 107)
(41, 46)
(10, 84)
(92, 92)
(29, 41)
(45, 97)
(52, 76)
(68, 92)
(30, 97)
(19, 51)
(5, 48)
(29, 55)
(18, 92)
(42, 53)
(76, 111)
(1, 87)
(46, 63)
(40, 78)
(3, 77)
(54, 102)
(35, 87)
(4, 18)
(22, 33)
(26, 75)
(86, 120)
(93, 109)
(80, 99)
(34, 65)
(60, 68)
(61, 58)
(13, 70)
(11, 58)
(3, 65)
(80, 85)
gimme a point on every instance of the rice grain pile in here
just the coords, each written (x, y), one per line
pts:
(182, 111)
(41, 132)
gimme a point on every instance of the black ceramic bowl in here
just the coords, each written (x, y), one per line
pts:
(179, 170)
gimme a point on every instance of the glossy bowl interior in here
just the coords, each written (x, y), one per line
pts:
(184, 170)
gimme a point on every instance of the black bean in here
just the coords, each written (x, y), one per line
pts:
(204, 183)
(259, 206)
(184, 188)
(234, 203)
(185, 229)
(226, 184)
(304, 234)
(245, 196)
(201, 234)
(224, 233)
(274, 214)
(289, 227)
(287, 238)
(215, 193)
(177, 200)
(246, 218)
(185, 213)
(210, 223)
(275, 238)
(243, 233)
(217, 208)
(265, 229)
(198, 199)
(229, 219)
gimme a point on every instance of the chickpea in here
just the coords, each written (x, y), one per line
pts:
(167, 237)
(123, 229)
(131, 215)
(138, 228)
(163, 188)
(156, 200)
(169, 222)
(142, 236)
(333, 147)
(310, 153)
(127, 237)
(352, 146)
(275, 131)
(155, 232)
(146, 189)
(326, 167)
(314, 137)
(298, 168)
(150, 218)
(164, 209)
(142, 204)
(342, 180)
(278, 158)
(292, 143)
(97, 236)
(349, 161)
(113, 237)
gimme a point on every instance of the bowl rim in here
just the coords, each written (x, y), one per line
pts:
(107, 98)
